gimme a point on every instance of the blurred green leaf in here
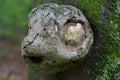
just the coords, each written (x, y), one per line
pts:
(13, 19)
(11, 77)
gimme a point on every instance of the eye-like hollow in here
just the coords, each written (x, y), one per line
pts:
(74, 34)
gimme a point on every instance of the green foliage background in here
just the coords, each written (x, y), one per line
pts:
(13, 19)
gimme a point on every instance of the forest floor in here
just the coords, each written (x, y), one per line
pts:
(12, 66)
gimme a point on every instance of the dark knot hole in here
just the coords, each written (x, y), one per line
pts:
(34, 59)
(44, 29)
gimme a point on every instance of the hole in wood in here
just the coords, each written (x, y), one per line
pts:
(34, 59)
(44, 29)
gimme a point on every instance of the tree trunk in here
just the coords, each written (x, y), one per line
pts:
(103, 58)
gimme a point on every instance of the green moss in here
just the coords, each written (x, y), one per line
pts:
(58, 1)
(117, 7)
(58, 11)
(92, 9)
(106, 59)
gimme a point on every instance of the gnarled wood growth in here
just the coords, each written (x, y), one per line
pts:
(58, 40)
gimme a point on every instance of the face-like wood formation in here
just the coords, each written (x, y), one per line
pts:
(58, 35)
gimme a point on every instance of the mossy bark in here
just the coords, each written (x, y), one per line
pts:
(104, 56)
(103, 61)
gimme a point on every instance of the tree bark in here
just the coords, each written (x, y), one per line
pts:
(105, 22)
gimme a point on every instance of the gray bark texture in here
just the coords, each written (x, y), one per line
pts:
(59, 38)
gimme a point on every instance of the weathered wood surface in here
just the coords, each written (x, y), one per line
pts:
(59, 38)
